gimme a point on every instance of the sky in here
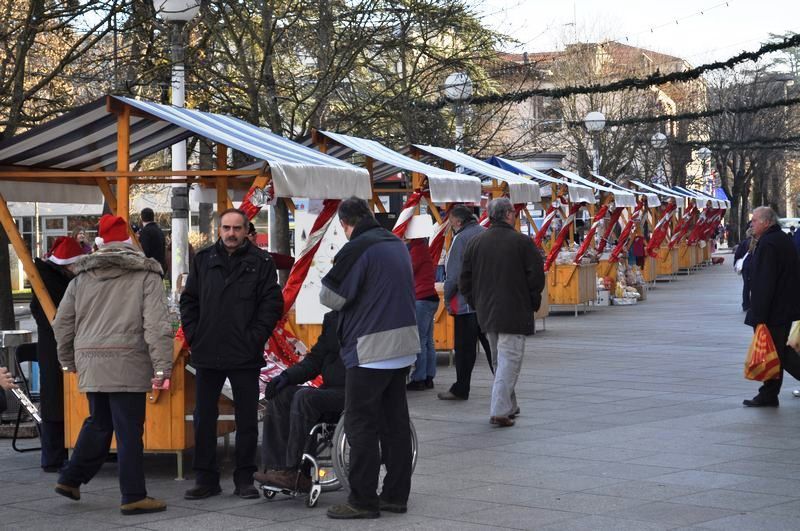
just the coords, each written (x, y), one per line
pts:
(706, 30)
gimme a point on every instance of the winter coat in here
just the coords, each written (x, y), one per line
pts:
(153, 243)
(422, 265)
(56, 278)
(454, 300)
(774, 280)
(502, 277)
(323, 358)
(230, 306)
(112, 325)
(372, 285)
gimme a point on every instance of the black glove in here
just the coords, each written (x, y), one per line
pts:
(275, 385)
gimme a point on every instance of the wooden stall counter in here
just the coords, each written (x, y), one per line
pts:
(667, 261)
(572, 285)
(687, 256)
(649, 272)
(442, 324)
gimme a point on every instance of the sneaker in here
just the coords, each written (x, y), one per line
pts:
(73, 493)
(199, 492)
(246, 492)
(390, 507)
(448, 395)
(503, 422)
(346, 511)
(417, 385)
(143, 506)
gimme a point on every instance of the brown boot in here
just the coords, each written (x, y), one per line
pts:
(503, 422)
(143, 506)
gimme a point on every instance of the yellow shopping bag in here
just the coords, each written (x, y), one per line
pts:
(794, 336)
(762, 362)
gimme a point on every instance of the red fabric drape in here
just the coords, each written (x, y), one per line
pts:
(607, 232)
(562, 235)
(660, 231)
(635, 219)
(587, 240)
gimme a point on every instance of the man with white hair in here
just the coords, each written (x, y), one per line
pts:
(774, 296)
(502, 277)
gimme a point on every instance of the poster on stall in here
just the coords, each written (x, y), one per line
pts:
(308, 310)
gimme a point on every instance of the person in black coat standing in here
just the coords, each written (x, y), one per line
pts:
(230, 305)
(774, 297)
(152, 240)
(56, 274)
(502, 277)
(293, 408)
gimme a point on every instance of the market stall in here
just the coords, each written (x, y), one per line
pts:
(661, 245)
(94, 147)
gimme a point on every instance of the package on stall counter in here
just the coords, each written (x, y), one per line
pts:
(565, 257)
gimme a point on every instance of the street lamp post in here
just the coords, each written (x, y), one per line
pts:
(659, 143)
(177, 13)
(458, 90)
(708, 183)
(595, 121)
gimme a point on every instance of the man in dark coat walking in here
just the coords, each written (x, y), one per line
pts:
(502, 277)
(774, 297)
(231, 303)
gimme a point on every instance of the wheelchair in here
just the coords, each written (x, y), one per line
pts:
(327, 455)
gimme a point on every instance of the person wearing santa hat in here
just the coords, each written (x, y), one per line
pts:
(56, 273)
(113, 329)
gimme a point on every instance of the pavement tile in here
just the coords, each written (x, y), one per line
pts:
(671, 513)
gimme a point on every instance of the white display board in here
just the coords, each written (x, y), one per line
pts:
(308, 310)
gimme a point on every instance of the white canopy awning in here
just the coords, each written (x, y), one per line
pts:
(445, 186)
(520, 190)
(652, 199)
(576, 192)
(621, 198)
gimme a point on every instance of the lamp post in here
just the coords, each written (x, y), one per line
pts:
(659, 143)
(177, 13)
(595, 122)
(708, 183)
(458, 90)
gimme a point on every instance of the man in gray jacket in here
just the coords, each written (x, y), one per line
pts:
(465, 322)
(113, 329)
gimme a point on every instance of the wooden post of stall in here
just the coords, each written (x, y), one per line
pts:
(123, 162)
(221, 183)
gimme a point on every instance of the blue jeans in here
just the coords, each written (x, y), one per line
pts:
(425, 367)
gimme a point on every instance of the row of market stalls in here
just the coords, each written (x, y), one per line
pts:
(96, 152)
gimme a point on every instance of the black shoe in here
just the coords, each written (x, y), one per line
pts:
(759, 401)
(246, 492)
(346, 511)
(416, 385)
(199, 492)
(428, 383)
(449, 395)
(390, 507)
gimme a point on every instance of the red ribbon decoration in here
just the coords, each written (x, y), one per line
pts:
(407, 213)
(660, 231)
(548, 219)
(635, 219)
(607, 232)
(587, 240)
(683, 227)
(551, 257)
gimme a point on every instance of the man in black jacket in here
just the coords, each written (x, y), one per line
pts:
(502, 277)
(152, 240)
(293, 409)
(774, 296)
(231, 303)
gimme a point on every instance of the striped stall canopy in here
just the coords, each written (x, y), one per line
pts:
(652, 199)
(575, 192)
(621, 198)
(520, 189)
(445, 186)
(85, 139)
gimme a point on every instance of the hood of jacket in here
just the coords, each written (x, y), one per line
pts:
(114, 260)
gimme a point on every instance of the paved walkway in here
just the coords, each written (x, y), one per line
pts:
(631, 419)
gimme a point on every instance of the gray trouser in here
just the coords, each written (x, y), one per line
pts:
(507, 353)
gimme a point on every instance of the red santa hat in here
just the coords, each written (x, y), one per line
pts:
(112, 229)
(65, 251)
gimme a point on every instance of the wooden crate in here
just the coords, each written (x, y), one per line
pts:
(571, 284)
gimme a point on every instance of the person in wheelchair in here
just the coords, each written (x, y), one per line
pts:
(293, 409)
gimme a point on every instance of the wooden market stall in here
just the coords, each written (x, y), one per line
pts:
(95, 146)
(439, 188)
(666, 219)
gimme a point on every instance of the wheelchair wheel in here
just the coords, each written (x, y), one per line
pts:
(329, 480)
(341, 452)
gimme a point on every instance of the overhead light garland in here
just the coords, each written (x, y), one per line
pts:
(656, 78)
